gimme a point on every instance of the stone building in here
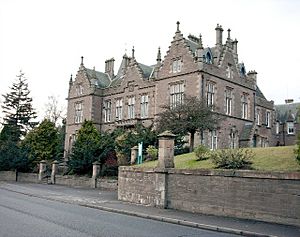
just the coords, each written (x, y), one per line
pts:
(136, 92)
(287, 124)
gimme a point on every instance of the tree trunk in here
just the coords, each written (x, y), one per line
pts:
(192, 139)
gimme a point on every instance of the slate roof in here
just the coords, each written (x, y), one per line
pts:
(287, 112)
(259, 93)
(103, 80)
(193, 45)
(146, 70)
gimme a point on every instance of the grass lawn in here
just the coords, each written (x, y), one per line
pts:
(267, 159)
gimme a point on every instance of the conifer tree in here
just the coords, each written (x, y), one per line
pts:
(17, 106)
(86, 149)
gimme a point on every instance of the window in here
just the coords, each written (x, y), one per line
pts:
(131, 112)
(245, 106)
(233, 139)
(290, 127)
(243, 71)
(79, 89)
(228, 100)
(176, 94)
(208, 58)
(210, 94)
(277, 127)
(78, 112)
(213, 140)
(176, 65)
(144, 106)
(229, 71)
(258, 117)
(268, 119)
(107, 111)
(119, 109)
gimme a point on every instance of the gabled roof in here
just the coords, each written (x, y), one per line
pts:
(102, 79)
(287, 112)
(259, 93)
(146, 70)
(193, 45)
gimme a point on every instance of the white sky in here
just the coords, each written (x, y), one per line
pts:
(46, 38)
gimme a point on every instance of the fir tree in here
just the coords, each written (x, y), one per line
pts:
(86, 149)
(17, 106)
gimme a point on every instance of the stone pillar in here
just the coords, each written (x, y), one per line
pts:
(96, 172)
(42, 169)
(134, 154)
(166, 150)
(54, 171)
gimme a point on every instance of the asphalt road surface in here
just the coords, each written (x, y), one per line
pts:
(22, 215)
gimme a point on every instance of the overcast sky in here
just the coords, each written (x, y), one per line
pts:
(45, 39)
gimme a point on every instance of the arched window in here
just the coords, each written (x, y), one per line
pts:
(208, 58)
(243, 71)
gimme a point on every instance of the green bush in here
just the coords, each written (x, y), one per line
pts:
(232, 158)
(297, 151)
(152, 152)
(202, 152)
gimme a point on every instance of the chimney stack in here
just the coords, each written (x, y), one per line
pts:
(234, 46)
(109, 67)
(253, 75)
(219, 35)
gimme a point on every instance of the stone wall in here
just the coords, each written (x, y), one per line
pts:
(272, 197)
(28, 177)
(7, 176)
(67, 180)
(107, 184)
(145, 187)
(72, 180)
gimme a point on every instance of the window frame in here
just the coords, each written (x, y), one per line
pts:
(228, 101)
(119, 109)
(144, 106)
(78, 106)
(131, 107)
(290, 129)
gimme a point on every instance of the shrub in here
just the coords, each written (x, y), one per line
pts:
(232, 158)
(202, 152)
(152, 152)
(297, 151)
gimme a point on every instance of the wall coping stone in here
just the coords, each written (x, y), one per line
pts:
(224, 173)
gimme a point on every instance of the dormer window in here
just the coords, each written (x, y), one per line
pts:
(208, 58)
(243, 71)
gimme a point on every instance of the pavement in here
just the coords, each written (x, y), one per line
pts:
(107, 200)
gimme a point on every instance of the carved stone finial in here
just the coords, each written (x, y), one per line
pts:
(228, 33)
(200, 42)
(158, 55)
(81, 60)
(132, 52)
(178, 23)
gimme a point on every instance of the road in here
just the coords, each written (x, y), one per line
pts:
(23, 215)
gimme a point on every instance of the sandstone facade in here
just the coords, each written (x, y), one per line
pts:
(137, 92)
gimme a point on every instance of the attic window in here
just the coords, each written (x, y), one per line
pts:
(208, 58)
(243, 71)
